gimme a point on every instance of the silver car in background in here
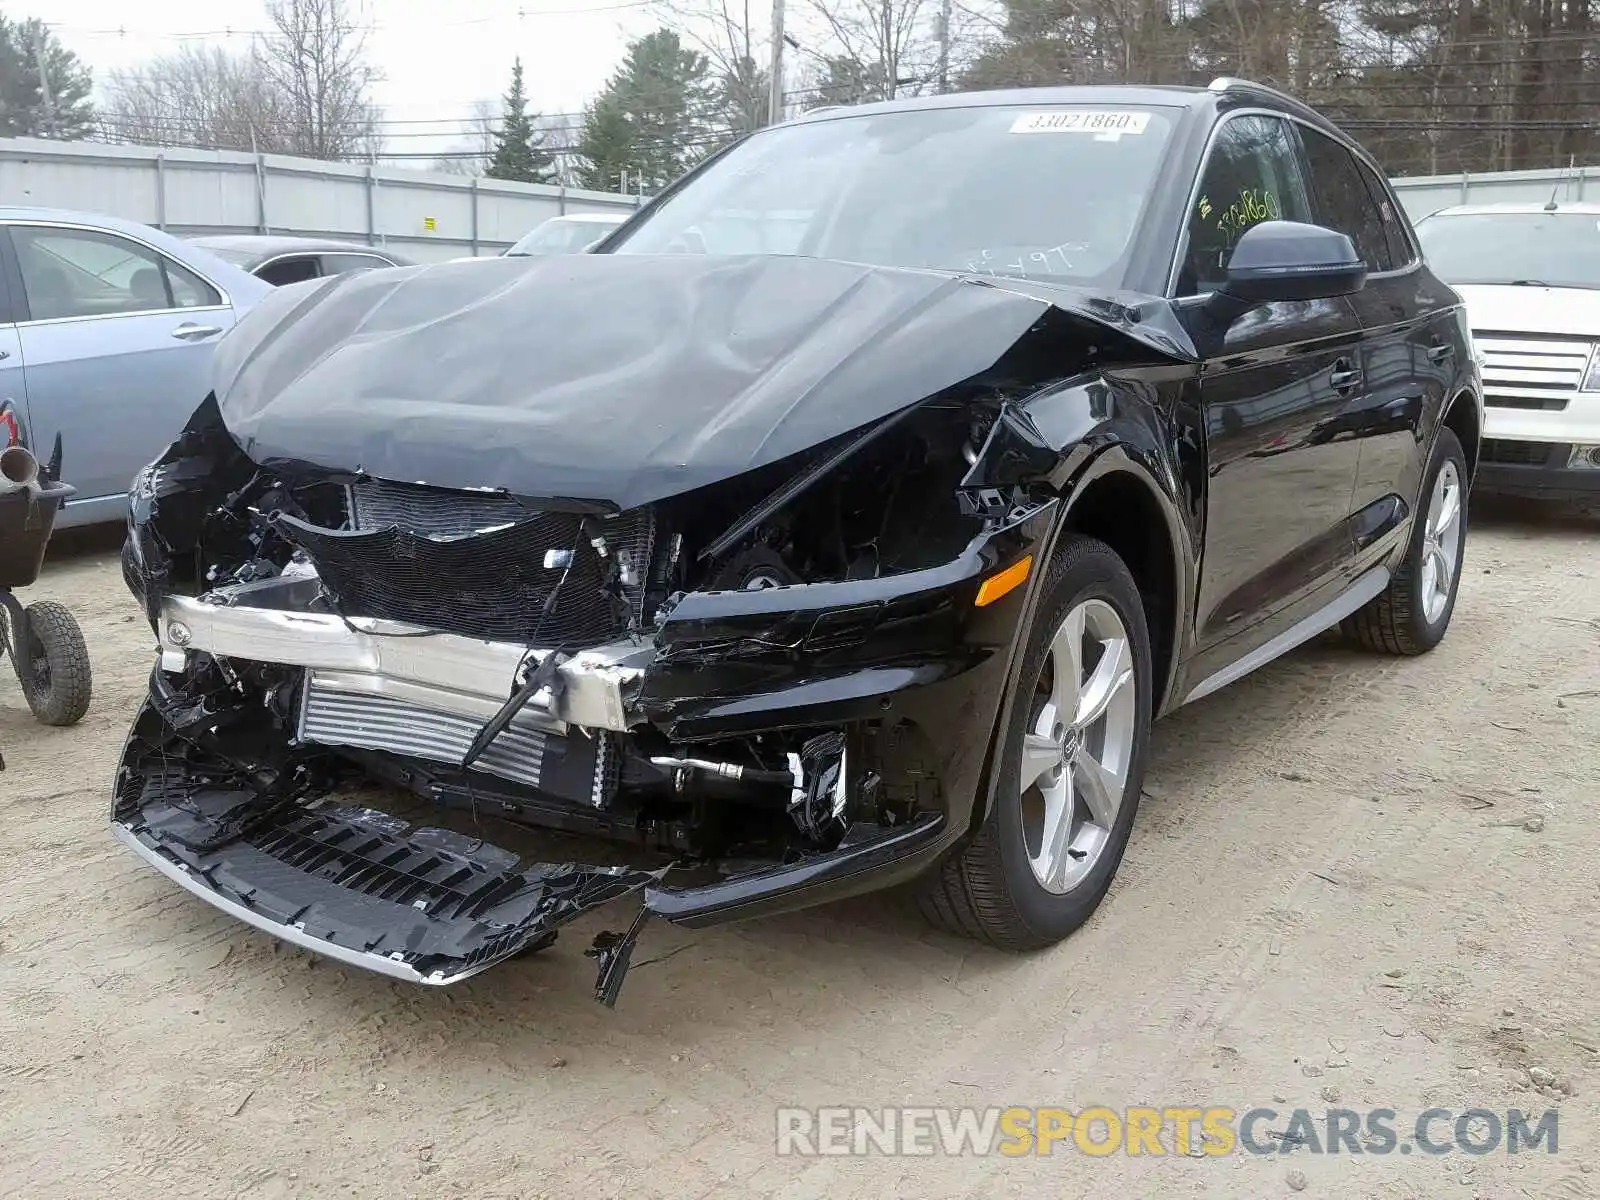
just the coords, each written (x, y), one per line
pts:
(572, 233)
(106, 335)
(282, 260)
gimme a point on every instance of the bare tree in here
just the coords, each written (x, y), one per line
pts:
(560, 139)
(316, 59)
(734, 37)
(890, 43)
(196, 96)
(471, 155)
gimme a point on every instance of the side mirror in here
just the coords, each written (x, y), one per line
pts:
(1277, 261)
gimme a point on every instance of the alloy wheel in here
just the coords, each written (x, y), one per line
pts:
(1079, 745)
(1441, 542)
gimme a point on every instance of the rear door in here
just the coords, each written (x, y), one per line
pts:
(1279, 489)
(1409, 343)
(117, 340)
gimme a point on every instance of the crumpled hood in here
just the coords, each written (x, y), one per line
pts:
(622, 379)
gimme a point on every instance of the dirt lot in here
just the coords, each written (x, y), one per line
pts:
(1355, 882)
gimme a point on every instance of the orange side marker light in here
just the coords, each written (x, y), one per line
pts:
(1005, 581)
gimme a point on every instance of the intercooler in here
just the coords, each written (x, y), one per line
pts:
(476, 565)
(331, 716)
(481, 565)
(337, 709)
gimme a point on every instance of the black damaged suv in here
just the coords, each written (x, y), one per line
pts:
(843, 521)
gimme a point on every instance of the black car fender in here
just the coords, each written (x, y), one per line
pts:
(1094, 428)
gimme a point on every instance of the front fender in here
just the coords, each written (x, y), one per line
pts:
(1090, 429)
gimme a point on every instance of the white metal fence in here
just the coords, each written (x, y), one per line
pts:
(432, 216)
(425, 216)
(1423, 195)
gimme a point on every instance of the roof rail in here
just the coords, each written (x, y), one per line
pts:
(1227, 83)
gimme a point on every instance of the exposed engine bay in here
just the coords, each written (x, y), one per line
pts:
(747, 690)
(493, 658)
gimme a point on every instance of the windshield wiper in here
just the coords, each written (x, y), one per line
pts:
(1529, 283)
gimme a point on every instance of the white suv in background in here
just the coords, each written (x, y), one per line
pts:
(1530, 276)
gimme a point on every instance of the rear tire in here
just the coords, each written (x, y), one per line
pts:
(1006, 887)
(54, 668)
(1411, 615)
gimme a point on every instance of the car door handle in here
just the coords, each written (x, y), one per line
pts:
(1343, 378)
(190, 332)
(1437, 354)
(4, 354)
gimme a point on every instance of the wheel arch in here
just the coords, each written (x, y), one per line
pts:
(1101, 508)
(1462, 416)
(1102, 480)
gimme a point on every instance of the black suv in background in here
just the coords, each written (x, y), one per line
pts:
(844, 520)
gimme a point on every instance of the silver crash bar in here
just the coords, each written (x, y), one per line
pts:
(436, 670)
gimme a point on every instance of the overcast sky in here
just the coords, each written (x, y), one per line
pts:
(436, 58)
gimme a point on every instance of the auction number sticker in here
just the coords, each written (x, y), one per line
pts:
(1102, 123)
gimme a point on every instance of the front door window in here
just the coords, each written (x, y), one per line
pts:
(88, 273)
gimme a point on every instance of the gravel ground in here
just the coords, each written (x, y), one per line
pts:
(1355, 882)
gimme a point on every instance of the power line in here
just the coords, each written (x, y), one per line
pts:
(124, 31)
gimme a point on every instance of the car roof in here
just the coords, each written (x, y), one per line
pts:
(592, 218)
(266, 244)
(73, 216)
(1224, 88)
(1520, 208)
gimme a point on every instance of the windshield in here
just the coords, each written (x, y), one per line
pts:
(1050, 193)
(556, 236)
(1546, 248)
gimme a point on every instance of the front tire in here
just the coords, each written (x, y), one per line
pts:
(1070, 764)
(1411, 615)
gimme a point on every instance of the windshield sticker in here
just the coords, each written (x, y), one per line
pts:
(1106, 126)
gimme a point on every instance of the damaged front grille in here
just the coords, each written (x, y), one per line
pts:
(481, 565)
(378, 504)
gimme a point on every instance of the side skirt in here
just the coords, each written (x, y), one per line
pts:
(1365, 588)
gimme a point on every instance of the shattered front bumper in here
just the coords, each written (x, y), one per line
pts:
(423, 905)
(429, 905)
(395, 895)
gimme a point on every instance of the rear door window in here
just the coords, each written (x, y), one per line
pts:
(339, 264)
(295, 269)
(1344, 201)
(1401, 251)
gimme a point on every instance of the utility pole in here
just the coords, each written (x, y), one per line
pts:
(775, 97)
(48, 127)
(891, 60)
(944, 46)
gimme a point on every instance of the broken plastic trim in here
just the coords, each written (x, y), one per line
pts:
(426, 905)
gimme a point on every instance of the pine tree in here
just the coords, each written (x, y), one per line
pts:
(654, 118)
(24, 111)
(518, 149)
